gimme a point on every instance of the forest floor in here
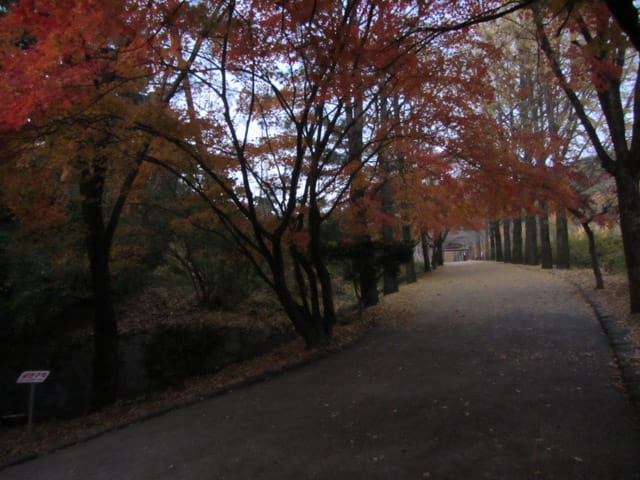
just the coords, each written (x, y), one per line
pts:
(54, 434)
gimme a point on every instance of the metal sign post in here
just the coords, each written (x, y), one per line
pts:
(32, 377)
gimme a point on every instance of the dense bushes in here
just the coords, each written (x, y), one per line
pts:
(41, 277)
(609, 248)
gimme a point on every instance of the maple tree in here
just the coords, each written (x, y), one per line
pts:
(595, 204)
(72, 92)
(285, 181)
(588, 50)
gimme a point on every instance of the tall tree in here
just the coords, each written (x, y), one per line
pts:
(387, 166)
(517, 240)
(301, 69)
(595, 204)
(92, 85)
(545, 238)
(590, 50)
(562, 239)
(507, 239)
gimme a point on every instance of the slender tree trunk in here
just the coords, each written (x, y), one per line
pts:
(299, 263)
(311, 332)
(531, 241)
(562, 239)
(434, 254)
(440, 249)
(629, 206)
(506, 222)
(498, 237)
(545, 240)
(486, 238)
(409, 266)
(438, 252)
(424, 241)
(328, 307)
(324, 277)
(364, 263)
(492, 246)
(104, 389)
(390, 267)
(516, 257)
(366, 271)
(390, 271)
(595, 263)
(305, 317)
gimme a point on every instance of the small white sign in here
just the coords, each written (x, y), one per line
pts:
(33, 376)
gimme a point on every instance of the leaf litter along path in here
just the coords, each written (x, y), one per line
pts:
(490, 371)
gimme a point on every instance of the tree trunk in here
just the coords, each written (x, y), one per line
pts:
(104, 386)
(364, 263)
(492, 244)
(328, 307)
(425, 250)
(545, 240)
(409, 266)
(434, 255)
(366, 272)
(390, 271)
(516, 257)
(440, 248)
(562, 239)
(312, 333)
(595, 263)
(498, 240)
(438, 251)
(629, 206)
(324, 277)
(486, 238)
(305, 317)
(531, 241)
(390, 267)
(507, 239)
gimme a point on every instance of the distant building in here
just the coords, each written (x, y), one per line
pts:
(461, 246)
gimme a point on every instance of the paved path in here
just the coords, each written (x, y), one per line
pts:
(499, 372)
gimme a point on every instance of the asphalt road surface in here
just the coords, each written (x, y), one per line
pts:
(497, 372)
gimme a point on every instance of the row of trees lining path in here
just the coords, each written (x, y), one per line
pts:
(385, 121)
(503, 242)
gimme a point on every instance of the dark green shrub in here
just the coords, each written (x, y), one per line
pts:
(608, 247)
(579, 252)
(42, 276)
(351, 254)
